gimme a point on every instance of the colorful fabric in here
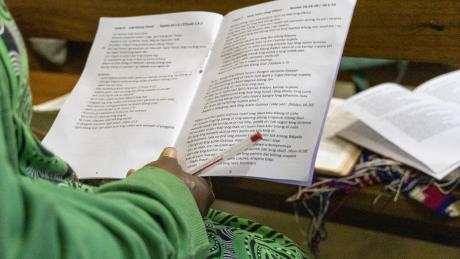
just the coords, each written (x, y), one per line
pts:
(30, 158)
(372, 169)
(233, 237)
(433, 198)
(149, 214)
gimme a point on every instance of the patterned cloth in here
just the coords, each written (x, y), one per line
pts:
(32, 159)
(232, 237)
(327, 194)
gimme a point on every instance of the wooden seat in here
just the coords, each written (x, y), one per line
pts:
(427, 31)
(412, 29)
(46, 86)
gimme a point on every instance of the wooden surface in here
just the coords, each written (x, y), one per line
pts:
(416, 30)
(404, 217)
(46, 86)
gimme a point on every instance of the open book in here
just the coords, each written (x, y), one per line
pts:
(336, 156)
(201, 82)
(420, 128)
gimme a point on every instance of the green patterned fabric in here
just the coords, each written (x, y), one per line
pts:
(32, 159)
(234, 237)
(229, 236)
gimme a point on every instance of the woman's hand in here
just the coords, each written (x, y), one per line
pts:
(200, 188)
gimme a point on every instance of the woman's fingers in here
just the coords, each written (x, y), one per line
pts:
(167, 161)
(130, 172)
(169, 152)
(200, 188)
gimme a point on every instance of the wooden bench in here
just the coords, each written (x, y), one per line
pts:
(426, 31)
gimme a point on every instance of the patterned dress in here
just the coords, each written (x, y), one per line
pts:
(230, 236)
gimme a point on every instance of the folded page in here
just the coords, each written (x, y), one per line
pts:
(362, 135)
(272, 69)
(136, 89)
(444, 87)
(422, 126)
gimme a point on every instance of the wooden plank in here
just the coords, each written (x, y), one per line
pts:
(411, 29)
(404, 217)
(46, 86)
(427, 31)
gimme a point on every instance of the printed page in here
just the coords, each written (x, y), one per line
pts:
(135, 91)
(362, 135)
(444, 87)
(422, 126)
(272, 69)
(336, 156)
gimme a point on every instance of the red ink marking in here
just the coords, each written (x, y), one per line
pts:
(257, 136)
(207, 166)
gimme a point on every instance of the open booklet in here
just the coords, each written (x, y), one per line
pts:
(336, 156)
(201, 82)
(420, 128)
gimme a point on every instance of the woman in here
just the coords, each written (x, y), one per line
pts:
(155, 212)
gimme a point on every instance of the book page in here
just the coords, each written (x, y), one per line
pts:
(445, 88)
(133, 96)
(336, 156)
(362, 135)
(422, 126)
(272, 69)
